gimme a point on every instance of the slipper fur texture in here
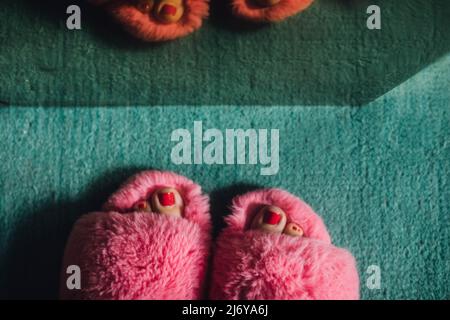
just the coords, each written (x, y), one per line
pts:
(147, 28)
(284, 9)
(250, 264)
(133, 255)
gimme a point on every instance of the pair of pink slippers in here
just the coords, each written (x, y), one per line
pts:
(162, 20)
(153, 241)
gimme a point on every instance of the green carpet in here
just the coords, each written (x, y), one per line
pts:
(378, 174)
(324, 56)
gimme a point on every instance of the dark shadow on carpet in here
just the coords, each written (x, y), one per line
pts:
(221, 200)
(34, 256)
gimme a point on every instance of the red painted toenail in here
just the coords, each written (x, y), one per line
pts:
(166, 199)
(271, 217)
(169, 9)
(141, 205)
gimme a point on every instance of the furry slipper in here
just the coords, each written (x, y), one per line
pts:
(250, 263)
(157, 20)
(268, 10)
(128, 251)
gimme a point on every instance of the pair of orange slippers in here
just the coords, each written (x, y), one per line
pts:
(162, 20)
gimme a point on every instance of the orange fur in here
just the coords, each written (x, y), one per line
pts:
(286, 8)
(147, 28)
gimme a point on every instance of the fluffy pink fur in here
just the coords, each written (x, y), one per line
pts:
(142, 185)
(285, 8)
(141, 255)
(250, 264)
(147, 28)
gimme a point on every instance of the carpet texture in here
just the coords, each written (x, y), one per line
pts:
(378, 175)
(84, 110)
(325, 55)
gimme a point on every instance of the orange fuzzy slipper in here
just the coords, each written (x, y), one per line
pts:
(268, 10)
(157, 20)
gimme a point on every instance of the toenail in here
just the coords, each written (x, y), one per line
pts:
(166, 199)
(271, 217)
(142, 206)
(169, 9)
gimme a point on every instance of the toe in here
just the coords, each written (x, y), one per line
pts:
(169, 11)
(167, 201)
(142, 206)
(270, 219)
(293, 229)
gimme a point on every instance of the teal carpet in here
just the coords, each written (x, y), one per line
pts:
(378, 174)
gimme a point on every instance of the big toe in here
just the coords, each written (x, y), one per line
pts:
(169, 11)
(167, 201)
(270, 219)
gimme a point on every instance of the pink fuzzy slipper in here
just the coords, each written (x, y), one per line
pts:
(157, 20)
(298, 263)
(268, 10)
(128, 251)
